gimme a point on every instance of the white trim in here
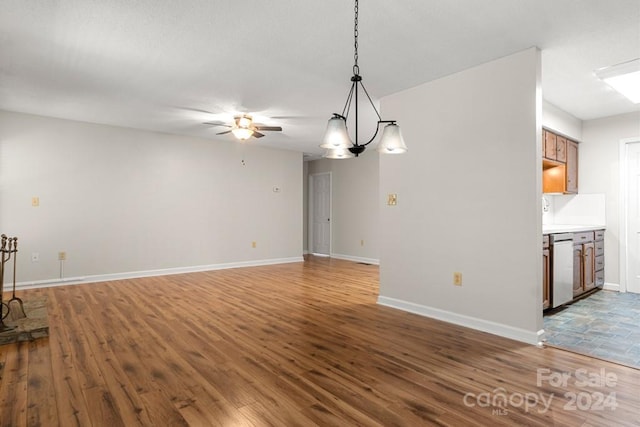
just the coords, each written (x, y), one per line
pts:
(622, 216)
(611, 287)
(356, 259)
(522, 335)
(150, 273)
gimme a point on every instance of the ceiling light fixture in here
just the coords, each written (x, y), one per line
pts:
(242, 129)
(336, 139)
(624, 78)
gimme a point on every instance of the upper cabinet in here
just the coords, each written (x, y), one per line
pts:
(559, 164)
(572, 167)
(549, 141)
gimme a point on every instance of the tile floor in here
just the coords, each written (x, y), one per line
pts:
(605, 325)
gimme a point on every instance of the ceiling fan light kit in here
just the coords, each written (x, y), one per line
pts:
(336, 140)
(244, 128)
(242, 133)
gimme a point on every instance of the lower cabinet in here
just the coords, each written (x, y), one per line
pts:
(588, 265)
(546, 273)
(584, 262)
(599, 244)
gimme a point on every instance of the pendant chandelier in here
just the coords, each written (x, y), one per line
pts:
(336, 139)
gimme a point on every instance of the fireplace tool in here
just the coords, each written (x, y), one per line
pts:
(15, 304)
(5, 256)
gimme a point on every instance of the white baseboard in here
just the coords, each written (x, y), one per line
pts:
(356, 259)
(149, 273)
(499, 329)
(611, 287)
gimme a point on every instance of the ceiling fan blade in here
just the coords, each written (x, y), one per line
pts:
(257, 134)
(216, 124)
(197, 110)
(222, 133)
(268, 128)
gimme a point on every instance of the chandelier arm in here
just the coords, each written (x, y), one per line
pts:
(374, 135)
(347, 104)
(378, 129)
(370, 101)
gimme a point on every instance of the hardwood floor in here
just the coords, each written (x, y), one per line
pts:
(288, 345)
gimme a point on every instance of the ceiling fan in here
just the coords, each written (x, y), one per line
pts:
(244, 128)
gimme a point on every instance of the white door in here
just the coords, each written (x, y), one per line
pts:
(320, 210)
(633, 217)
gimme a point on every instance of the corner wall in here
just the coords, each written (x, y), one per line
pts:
(469, 193)
(123, 201)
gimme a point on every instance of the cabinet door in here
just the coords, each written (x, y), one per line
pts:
(546, 301)
(549, 145)
(572, 167)
(577, 270)
(561, 149)
(588, 266)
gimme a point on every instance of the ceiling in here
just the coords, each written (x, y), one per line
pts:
(168, 66)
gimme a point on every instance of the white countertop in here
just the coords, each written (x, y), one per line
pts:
(569, 228)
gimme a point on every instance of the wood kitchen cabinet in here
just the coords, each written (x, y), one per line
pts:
(549, 141)
(559, 164)
(599, 253)
(561, 149)
(588, 265)
(584, 263)
(572, 167)
(546, 273)
(554, 147)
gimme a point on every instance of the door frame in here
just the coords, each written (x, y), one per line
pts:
(311, 218)
(623, 252)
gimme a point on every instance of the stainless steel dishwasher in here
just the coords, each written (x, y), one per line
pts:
(562, 267)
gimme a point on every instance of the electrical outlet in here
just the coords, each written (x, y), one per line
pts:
(35, 257)
(253, 244)
(361, 242)
(35, 201)
(457, 278)
(392, 199)
(62, 256)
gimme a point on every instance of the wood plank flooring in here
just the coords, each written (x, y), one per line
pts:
(297, 344)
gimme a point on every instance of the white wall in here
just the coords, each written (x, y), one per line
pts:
(599, 172)
(469, 199)
(560, 121)
(120, 200)
(355, 210)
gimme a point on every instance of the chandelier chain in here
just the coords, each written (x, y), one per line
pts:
(356, 69)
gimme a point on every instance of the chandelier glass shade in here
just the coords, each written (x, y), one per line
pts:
(336, 136)
(391, 141)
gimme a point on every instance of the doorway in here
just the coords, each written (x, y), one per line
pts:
(320, 214)
(630, 215)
